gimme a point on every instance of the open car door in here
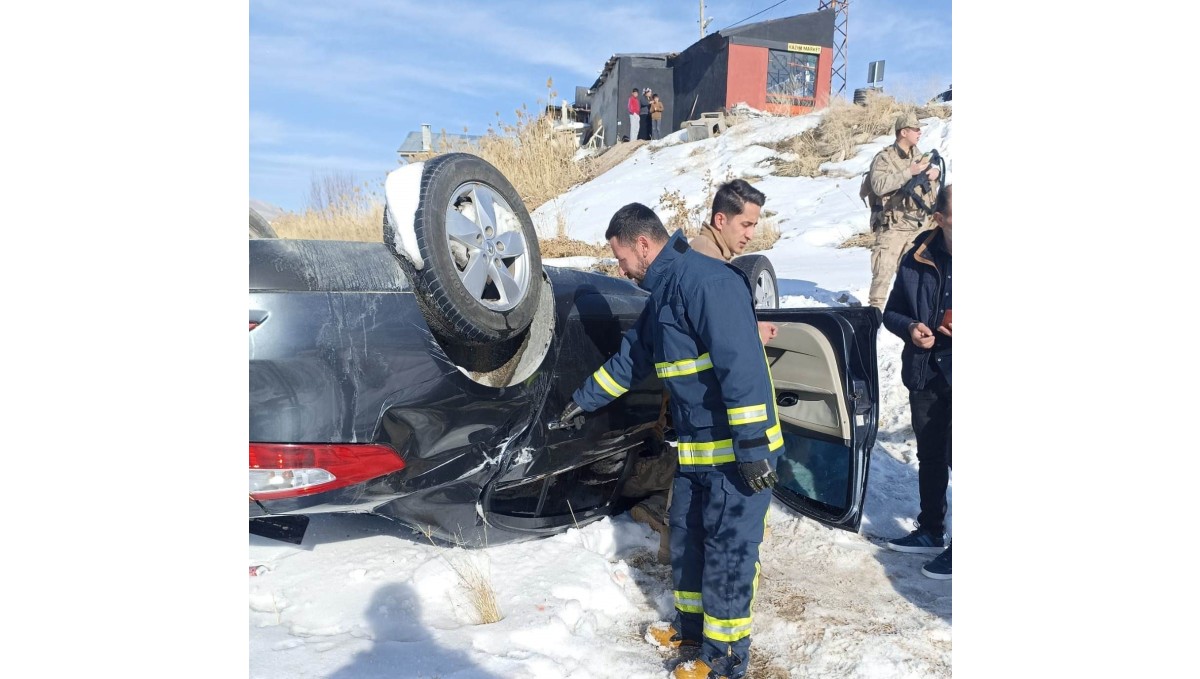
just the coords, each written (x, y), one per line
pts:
(827, 394)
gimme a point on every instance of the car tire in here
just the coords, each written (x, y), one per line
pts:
(480, 271)
(259, 227)
(763, 284)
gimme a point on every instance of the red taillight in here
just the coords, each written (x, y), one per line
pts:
(280, 470)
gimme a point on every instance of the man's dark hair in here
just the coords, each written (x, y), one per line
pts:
(635, 220)
(939, 204)
(732, 197)
(635, 90)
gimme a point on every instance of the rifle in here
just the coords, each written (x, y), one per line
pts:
(921, 180)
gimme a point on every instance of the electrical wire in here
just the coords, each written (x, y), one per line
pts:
(753, 15)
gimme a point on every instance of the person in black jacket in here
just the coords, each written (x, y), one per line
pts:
(918, 311)
(644, 114)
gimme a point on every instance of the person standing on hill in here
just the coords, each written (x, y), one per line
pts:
(697, 333)
(656, 113)
(921, 300)
(896, 218)
(644, 114)
(634, 109)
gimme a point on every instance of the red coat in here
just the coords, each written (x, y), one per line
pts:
(634, 107)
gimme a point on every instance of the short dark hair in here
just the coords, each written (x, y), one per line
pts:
(635, 220)
(635, 90)
(943, 197)
(732, 197)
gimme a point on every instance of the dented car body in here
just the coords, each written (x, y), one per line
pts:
(359, 403)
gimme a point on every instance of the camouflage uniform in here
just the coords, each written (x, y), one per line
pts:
(895, 218)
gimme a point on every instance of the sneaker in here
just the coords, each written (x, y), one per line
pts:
(694, 669)
(920, 541)
(663, 636)
(939, 568)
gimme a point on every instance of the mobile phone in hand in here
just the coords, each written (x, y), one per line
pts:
(946, 318)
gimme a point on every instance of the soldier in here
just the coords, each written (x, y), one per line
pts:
(896, 218)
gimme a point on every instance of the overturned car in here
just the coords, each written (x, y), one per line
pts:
(415, 378)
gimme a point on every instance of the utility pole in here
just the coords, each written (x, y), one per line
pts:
(703, 22)
(841, 23)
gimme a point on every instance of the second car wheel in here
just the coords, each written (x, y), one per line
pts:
(479, 267)
(763, 284)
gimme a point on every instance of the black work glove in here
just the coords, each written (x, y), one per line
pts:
(758, 475)
(571, 417)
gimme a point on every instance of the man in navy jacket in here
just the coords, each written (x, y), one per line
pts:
(698, 333)
(921, 300)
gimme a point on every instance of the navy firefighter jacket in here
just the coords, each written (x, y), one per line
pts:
(699, 334)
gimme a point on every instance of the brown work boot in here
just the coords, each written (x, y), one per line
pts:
(652, 511)
(693, 669)
(664, 637)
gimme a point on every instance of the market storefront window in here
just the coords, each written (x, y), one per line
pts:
(791, 78)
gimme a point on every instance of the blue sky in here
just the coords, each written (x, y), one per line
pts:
(334, 89)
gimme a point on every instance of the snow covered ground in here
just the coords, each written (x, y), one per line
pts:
(363, 597)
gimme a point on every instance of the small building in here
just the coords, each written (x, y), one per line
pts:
(425, 141)
(781, 65)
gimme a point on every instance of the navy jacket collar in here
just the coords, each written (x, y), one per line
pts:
(675, 247)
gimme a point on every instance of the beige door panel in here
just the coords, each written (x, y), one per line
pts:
(803, 362)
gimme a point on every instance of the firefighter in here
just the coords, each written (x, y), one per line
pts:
(699, 334)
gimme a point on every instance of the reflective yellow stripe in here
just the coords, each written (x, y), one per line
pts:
(754, 588)
(688, 602)
(774, 438)
(748, 414)
(688, 366)
(712, 452)
(726, 630)
(607, 383)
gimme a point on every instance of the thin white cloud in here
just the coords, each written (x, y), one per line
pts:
(270, 130)
(303, 64)
(536, 38)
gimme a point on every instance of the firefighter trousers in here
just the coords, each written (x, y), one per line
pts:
(716, 529)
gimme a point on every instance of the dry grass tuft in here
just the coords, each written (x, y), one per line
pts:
(764, 236)
(536, 158)
(763, 667)
(842, 129)
(859, 240)
(681, 215)
(339, 208)
(562, 246)
(478, 591)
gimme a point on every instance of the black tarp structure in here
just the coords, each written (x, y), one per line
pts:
(695, 80)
